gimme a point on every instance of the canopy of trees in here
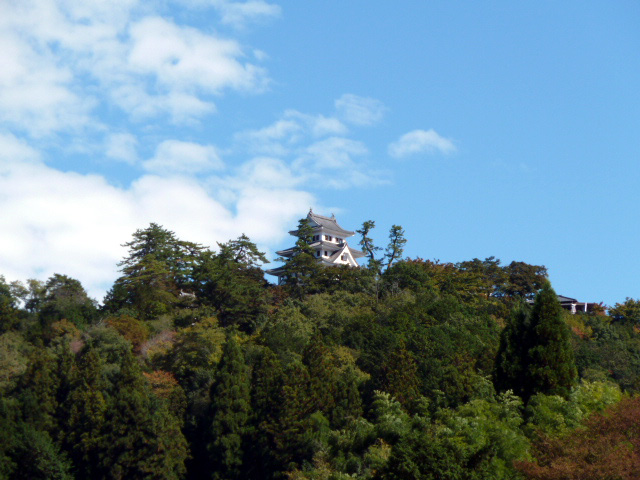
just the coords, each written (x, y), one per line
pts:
(195, 366)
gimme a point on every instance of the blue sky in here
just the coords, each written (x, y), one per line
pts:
(487, 128)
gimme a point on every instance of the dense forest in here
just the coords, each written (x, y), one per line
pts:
(194, 367)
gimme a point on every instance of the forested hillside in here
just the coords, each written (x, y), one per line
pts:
(195, 367)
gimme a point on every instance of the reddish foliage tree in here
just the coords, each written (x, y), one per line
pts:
(607, 447)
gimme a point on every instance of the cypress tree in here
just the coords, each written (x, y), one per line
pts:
(552, 369)
(145, 440)
(512, 361)
(231, 404)
(302, 268)
(86, 437)
(535, 354)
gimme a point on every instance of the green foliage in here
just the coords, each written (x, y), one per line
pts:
(287, 332)
(524, 280)
(343, 373)
(231, 407)
(627, 312)
(366, 242)
(14, 353)
(156, 269)
(477, 440)
(145, 440)
(555, 415)
(37, 457)
(232, 282)
(512, 360)
(552, 369)
(535, 355)
(395, 249)
(65, 298)
(302, 268)
(8, 307)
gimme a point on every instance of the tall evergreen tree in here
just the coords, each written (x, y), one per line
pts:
(86, 437)
(144, 439)
(512, 360)
(535, 354)
(552, 369)
(267, 383)
(302, 267)
(231, 405)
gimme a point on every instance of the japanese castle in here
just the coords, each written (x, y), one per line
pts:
(328, 243)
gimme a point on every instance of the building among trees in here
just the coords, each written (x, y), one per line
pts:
(326, 241)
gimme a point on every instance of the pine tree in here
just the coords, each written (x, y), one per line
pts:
(395, 249)
(156, 268)
(368, 247)
(233, 283)
(231, 405)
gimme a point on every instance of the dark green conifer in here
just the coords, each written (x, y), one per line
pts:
(552, 369)
(86, 433)
(302, 267)
(535, 354)
(231, 404)
(145, 440)
(512, 361)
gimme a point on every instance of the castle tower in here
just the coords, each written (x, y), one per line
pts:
(329, 244)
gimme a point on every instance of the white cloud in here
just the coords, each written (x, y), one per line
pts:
(335, 152)
(238, 13)
(359, 110)
(56, 52)
(63, 222)
(420, 141)
(122, 147)
(175, 156)
(331, 162)
(35, 93)
(268, 172)
(285, 135)
(186, 59)
(276, 139)
(316, 147)
(15, 151)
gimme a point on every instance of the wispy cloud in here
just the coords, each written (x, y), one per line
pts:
(175, 156)
(317, 148)
(421, 141)
(359, 110)
(239, 13)
(122, 147)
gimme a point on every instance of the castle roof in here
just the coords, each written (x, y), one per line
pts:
(326, 223)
